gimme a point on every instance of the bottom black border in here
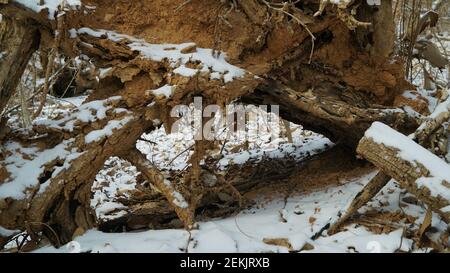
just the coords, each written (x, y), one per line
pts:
(86, 263)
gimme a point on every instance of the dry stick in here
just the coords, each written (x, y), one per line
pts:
(287, 126)
(364, 196)
(233, 189)
(148, 141)
(22, 243)
(50, 228)
(51, 58)
(25, 113)
(154, 176)
(48, 72)
(66, 89)
(180, 7)
(53, 78)
(178, 155)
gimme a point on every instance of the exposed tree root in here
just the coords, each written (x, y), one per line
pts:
(330, 92)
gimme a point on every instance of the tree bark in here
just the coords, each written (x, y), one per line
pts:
(389, 161)
(19, 39)
(177, 199)
(365, 195)
(422, 136)
(325, 111)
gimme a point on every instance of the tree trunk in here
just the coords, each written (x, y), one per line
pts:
(325, 111)
(412, 174)
(19, 39)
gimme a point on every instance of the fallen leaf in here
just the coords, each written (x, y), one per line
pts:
(426, 223)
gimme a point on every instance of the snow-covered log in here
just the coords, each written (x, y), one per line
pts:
(415, 168)
(422, 136)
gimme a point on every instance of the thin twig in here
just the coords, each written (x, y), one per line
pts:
(178, 155)
(180, 7)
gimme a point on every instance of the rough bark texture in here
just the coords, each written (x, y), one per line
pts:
(365, 195)
(19, 38)
(425, 135)
(64, 204)
(405, 172)
(177, 199)
(328, 111)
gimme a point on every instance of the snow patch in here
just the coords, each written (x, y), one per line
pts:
(166, 91)
(7, 232)
(24, 173)
(106, 131)
(52, 6)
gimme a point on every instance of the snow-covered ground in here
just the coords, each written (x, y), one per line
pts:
(293, 222)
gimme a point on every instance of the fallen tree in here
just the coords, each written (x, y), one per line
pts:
(148, 207)
(316, 67)
(324, 111)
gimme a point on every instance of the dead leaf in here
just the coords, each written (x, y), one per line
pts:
(283, 242)
(426, 223)
(307, 247)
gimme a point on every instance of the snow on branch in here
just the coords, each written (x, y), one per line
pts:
(180, 56)
(52, 6)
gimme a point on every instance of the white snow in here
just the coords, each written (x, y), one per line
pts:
(245, 232)
(441, 108)
(110, 210)
(104, 72)
(413, 152)
(26, 164)
(106, 131)
(51, 5)
(178, 198)
(436, 111)
(24, 174)
(302, 149)
(87, 112)
(166, 91)
(410, 94)
(186, 71)
(212, 63)
(115, 181)
(7, 232)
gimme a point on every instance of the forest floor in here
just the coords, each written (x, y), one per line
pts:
(282, 225)
(282, 218)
